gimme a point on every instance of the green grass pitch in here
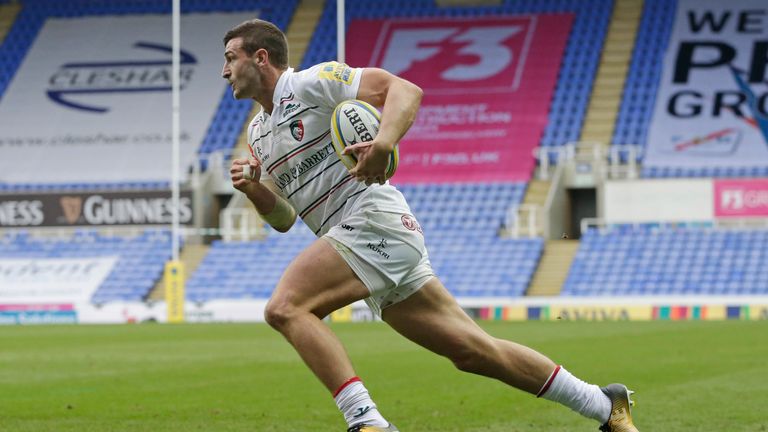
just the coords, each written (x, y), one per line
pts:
(689, 376)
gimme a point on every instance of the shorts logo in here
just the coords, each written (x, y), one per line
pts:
(410, 223)
(347, 227)
(379, 249)
(297, 130)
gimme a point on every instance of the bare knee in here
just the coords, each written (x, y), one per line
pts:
(279, 312)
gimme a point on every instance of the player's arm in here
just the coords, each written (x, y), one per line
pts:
(400, 100)
(264, 194)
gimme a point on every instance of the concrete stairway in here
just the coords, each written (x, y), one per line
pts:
(600, 120)
(535, 196)
(8, 14)
(553, 267)
(536, 192)
(302, 27)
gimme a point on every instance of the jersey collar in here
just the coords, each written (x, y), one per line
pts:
(279, 87)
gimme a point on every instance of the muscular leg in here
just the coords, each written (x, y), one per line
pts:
(432, 318)
(315, 284)
(319, 281)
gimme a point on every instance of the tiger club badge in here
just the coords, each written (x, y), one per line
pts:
(297, 130)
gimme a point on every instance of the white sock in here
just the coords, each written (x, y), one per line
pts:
(355, 403)
(586, 399)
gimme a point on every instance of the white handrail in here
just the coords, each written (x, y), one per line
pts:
(756, 224)
(554, 188)
(595, 153)
(564, 153)
(524, 220)
(239, 222)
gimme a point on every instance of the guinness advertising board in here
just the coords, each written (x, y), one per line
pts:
(93, 209)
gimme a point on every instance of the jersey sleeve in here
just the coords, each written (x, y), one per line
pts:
(329, 84)
(249, 137)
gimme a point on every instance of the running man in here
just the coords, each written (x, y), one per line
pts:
(370, 246)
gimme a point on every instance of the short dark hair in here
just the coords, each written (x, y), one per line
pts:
(259, 34)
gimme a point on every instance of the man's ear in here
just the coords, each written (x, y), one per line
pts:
(262, 57)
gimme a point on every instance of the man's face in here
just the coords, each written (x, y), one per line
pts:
(241, 71)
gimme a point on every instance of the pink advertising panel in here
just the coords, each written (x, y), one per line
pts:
(487, 83)
(741, 198)
(36, 307)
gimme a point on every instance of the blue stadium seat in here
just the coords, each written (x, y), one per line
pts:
(644, 74)
(654, 260)
(460, 224)
(139, 266)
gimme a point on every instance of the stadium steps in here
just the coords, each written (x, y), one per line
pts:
(8, 14)
(536, 192)
(535, 195)
(600, 120)
(191, 255)
(553, 268)
(302, 27)
(299, 33)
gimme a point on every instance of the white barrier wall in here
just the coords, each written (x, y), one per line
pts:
(643, 308)
(52, 280)
(662, 200)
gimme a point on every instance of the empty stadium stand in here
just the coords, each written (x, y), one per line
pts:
(461, 223)
(600, 119)
(662, 260)
(139, 266)
(639, 96)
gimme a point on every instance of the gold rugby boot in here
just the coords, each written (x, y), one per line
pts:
(365, 428)
(621, 414)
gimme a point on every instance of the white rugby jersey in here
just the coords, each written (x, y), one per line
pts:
(293, 143)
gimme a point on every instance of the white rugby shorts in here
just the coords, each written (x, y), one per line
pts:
(386, 251)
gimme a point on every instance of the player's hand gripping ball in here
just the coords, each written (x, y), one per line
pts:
(355, 121)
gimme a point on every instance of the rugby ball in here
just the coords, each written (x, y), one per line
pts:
(354, 121)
